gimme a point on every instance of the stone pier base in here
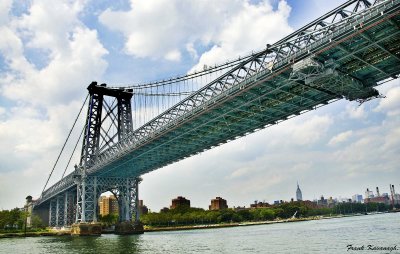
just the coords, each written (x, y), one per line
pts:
(82, 229)
(128, 228)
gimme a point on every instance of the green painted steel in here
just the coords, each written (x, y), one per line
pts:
(368, 54)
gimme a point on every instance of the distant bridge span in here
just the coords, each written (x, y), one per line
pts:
(344, 54)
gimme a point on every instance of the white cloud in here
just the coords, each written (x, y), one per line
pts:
(42, 101)
(391, 104)
(356, 111)
(312, 130)
(250, 29)
(161, 29)
(155, 28)
(173, 55)
(5, 6)
(75, 54)
(301, 131)
(339, 138)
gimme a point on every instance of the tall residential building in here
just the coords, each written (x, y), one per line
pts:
(217, 204)
(142, 208)
(299, 195)
(108, 205)
(180, 201)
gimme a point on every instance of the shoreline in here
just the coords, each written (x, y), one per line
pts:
(241, 224)
(66, 232)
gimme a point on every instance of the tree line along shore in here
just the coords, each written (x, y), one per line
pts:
(12, 222)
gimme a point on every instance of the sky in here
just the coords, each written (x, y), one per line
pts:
(50, 51)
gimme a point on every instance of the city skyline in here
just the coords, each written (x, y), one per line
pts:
(46, 67)
(379, 193)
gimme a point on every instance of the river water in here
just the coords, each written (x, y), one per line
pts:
(321, 236)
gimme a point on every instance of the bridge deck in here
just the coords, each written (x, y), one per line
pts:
(369, 54)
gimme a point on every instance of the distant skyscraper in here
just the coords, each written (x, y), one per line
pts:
(299, 196)
(357, 198)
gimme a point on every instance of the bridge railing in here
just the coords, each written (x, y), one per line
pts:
(59, 187)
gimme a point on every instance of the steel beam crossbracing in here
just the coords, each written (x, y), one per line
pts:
(320, 42)
(53, 212)
(124, 189)
(127, 195)
(69, 207)
(97, 138)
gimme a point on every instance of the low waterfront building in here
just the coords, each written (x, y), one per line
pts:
(259, 204)
(164, 210)
(239, 208)
(218, 203)
(382, 199)
(180, 201)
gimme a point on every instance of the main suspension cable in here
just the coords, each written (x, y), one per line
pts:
(72, 154)
(62, 149)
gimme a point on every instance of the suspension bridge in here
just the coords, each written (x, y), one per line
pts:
(131, 130)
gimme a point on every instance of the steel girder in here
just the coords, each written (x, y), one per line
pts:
(61, 209)
(53, 212)
(127, 194)
(275, 59)
(91, 139)
(69, 207)
(96, 137)
(125, 125)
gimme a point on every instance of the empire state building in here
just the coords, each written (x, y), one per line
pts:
(299, 196)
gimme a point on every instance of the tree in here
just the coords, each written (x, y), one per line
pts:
(267, 214)
(36, 222)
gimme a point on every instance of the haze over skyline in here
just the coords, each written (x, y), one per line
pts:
(50, 51)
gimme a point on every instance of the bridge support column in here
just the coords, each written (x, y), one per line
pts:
(87, 200)
(60, 211)
(86, 208)
(68, 208)
(52, 213)
(128, 202)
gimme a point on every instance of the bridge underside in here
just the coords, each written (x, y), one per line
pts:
(80, 203)
(351, 67)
